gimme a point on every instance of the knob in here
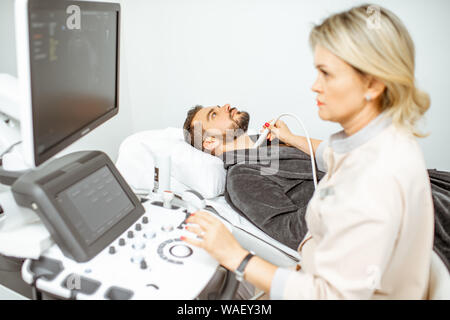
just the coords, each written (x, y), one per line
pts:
(150, 234)
(112, 250)
(143, 264)
(130, 234)
(121, 242)
(138, 245)
(145, 220)
(180, 251)
(138, 227)
(137, 259)
(167, 228)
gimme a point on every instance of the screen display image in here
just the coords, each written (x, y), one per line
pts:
(99, 201)
(73, 71)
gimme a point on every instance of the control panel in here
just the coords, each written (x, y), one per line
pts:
(147, 261)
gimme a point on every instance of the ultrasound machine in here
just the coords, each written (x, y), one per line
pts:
(106, 242)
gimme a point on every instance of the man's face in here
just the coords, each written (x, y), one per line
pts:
(223, 119)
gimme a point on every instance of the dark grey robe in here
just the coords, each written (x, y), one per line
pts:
(271, 187)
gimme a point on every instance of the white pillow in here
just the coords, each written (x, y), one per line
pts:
(191, 167)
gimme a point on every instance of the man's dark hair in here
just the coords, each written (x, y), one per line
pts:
(188, 129)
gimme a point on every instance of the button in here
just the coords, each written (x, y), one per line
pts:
(143, 264)
(121, 242)
(130, 234)
(138, 245)
(112, 250)
(167, 228)
(138, 227)
(137, 259)
(145, 220)
(34, 206)
(149, 234)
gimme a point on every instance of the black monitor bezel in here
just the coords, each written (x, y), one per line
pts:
(62, 4)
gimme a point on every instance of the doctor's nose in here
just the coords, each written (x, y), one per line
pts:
(227, 107)
(316, 87)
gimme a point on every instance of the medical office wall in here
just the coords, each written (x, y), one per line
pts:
(108, 136)
(7, 51)
(254, 54)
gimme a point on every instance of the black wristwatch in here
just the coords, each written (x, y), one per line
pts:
(240, 270)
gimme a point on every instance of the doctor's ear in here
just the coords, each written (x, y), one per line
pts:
(375, 89)
(210, 144)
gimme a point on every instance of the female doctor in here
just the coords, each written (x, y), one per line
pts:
(370, 219)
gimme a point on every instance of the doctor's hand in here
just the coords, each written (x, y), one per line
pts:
(279, 130)
(217, 240)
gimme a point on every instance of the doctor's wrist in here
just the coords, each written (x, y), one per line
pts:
(235, 260)
(289, 139)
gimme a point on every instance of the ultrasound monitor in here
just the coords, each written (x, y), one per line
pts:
(68, 70)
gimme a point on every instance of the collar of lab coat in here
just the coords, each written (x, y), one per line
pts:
(341, 143)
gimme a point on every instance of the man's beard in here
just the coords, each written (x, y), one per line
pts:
(239, 127)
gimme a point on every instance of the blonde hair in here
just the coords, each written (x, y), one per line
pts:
(375, 42)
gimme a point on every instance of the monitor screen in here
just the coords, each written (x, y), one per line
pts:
(97, 202)
(74, 71)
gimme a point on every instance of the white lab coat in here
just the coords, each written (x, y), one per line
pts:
(370, 221)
